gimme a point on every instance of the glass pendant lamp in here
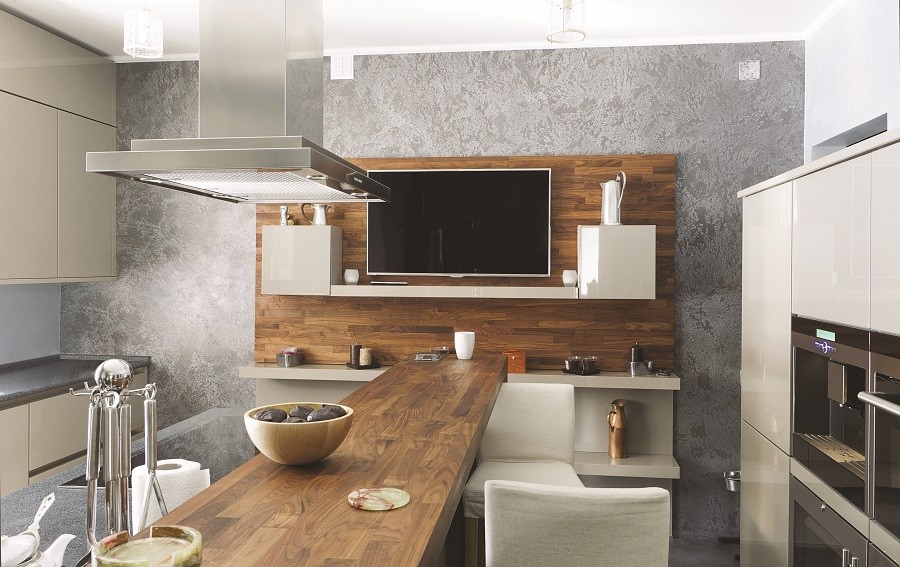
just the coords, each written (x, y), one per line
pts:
(143, 34)
(566, 21)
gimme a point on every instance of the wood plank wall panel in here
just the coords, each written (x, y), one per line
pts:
(548, 330)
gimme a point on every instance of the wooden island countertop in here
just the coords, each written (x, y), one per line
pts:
(416, 427)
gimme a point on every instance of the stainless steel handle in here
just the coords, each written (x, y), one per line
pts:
(92, 467)
(878, 402)
(111, 460)
(150, 433)
(125, 439)
(854, 562)
(845, 557)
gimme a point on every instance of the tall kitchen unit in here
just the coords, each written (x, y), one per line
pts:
(766, 377)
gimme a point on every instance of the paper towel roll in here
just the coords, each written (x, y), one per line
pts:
(179, 480)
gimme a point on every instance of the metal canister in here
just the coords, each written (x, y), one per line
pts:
(637, 353)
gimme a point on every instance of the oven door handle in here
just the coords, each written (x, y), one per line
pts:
(878, 402)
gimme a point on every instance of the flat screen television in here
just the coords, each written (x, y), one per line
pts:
(461, 222)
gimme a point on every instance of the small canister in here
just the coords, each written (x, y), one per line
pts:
(365, 356)
(637, 353)
(354, 354)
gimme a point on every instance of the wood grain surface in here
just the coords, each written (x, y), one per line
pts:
(548, 330)
(416, 427)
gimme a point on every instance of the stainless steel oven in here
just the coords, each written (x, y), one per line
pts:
(821, 537)
(884, 444)
(829, 420)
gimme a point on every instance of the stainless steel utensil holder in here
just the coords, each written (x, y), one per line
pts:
(109, 435)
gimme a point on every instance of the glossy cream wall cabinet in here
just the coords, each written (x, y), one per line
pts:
(765, 501)
(830, 275)
(886, 240)
(617, 262)
(14, 449)
(766, 320)
(301, 260)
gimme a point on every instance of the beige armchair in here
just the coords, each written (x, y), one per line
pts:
(538, 525)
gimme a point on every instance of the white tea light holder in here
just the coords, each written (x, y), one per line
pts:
(570, 278)
(351, 276)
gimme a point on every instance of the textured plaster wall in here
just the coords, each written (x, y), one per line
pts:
(684, 100)
(186, 264)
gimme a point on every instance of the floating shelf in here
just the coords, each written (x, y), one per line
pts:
(340, 373)
(635, 466)
(620, 380)
(455, 291)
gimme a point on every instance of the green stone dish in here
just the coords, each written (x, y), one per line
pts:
(167, 546)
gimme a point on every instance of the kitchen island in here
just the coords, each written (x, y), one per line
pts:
(416, 427)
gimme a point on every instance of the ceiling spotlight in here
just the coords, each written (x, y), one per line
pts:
(566, 21)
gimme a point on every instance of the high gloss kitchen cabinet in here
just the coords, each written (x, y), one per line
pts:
(766, 320)
(301, 260)
(765, 501)
(885, 248)
(58, 222)
(831, 230)
(13, 449)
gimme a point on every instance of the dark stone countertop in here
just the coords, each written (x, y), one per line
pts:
(215, 438)
(32, 380)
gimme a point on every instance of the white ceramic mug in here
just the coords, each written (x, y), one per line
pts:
(570, 278)
(465, 344)
(351, 276)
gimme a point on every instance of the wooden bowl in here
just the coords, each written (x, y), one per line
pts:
(297, 443)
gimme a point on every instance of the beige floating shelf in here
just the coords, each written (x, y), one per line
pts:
(635, 466)
(620, 380)
(455, 291)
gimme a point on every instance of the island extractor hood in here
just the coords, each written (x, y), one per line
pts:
(246, 153)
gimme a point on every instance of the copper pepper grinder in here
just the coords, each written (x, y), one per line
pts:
(618, 430)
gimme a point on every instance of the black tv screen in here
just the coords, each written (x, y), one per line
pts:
(493, 222)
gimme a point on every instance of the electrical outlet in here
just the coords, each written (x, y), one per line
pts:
(748, 70)
(341, 66)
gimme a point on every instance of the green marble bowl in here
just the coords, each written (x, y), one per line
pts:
(167, 546)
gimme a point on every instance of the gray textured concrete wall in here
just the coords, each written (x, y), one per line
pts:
(186, 264)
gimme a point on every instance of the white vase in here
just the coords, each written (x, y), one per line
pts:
(351, 276)
(570, 278)
(465, 344)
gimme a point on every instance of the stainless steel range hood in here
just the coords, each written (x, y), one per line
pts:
(259, 133)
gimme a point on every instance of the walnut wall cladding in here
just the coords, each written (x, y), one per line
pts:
(324, 327)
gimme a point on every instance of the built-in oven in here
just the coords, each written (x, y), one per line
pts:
(829, 420)
(884, 445)
(821, 537)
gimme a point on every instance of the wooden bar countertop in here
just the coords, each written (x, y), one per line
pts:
(416, 427)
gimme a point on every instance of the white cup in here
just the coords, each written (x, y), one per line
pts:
(465, 344)
(351, 276)
(570, 278)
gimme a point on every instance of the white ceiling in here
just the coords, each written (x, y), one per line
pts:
(398, 26)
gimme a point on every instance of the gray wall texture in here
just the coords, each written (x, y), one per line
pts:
(185, 291)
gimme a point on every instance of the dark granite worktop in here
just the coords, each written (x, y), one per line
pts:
(32, 380)
(215, 438)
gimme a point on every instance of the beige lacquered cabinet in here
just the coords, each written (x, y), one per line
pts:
(14, 449)
(766, 319)
(885, 246)
(87, 201)
(28, 216)
(830, 276)
(301, 260)
(765, 501)
(617, 262)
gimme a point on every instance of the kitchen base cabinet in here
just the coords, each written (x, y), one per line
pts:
(765, 501)
(14, 449)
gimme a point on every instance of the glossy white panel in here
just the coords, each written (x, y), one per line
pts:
(13, 449)
(765, 501)
(617, 262)
(885, 248)
(830, 275)
(766, 314)
(301, 260)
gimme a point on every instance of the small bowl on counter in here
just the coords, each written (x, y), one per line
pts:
(296, 442)
(167, 546)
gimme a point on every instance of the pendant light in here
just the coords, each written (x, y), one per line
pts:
(143, 34)
(566, 21)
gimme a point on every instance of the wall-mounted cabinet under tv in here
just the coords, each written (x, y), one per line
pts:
(461, 222)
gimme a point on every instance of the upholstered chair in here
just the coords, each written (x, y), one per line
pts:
(530, 437)
(538, 525)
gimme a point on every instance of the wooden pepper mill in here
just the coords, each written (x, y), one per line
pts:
(618, 430)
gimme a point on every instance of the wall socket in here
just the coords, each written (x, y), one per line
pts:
(748, 70)
(341, 66)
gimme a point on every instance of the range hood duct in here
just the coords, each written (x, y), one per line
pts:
(257, 144)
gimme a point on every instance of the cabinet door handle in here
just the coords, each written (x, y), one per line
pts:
(845, 557)
(854, 562)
